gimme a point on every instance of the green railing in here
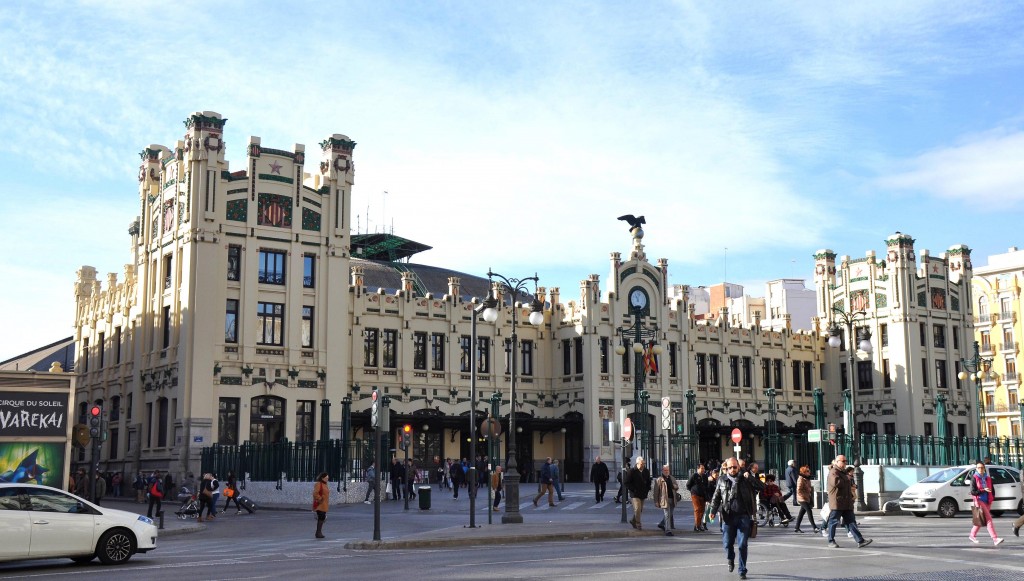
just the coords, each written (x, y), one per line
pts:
(291, 461)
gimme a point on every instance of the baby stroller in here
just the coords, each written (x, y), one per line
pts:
(189, 504)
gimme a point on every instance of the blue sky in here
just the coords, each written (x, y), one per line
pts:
(771, 129)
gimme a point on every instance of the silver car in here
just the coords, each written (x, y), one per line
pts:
(40, 522)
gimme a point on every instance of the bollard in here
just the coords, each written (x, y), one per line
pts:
(160, 515)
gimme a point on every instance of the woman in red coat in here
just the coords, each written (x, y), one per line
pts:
(983, 491)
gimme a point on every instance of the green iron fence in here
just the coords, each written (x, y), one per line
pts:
(290, 461)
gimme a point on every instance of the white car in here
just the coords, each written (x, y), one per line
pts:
(948, 492)
(40, 522)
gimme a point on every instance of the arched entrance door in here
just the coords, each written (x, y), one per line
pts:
(266, 419)
(710, 443)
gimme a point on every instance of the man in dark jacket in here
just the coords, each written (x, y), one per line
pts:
(698, 487)
(546, 484)
(840, 503)
(638, 483)
(734, 497)
(397, 476)
(599, 476)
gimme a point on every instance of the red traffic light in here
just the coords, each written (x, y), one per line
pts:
(95, 411)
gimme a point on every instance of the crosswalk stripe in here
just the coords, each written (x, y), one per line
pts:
(573, 505)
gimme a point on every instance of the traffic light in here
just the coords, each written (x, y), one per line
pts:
(96, 421)
(679, 424)
(406, 436)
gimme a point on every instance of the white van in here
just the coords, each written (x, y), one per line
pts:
(948, 492)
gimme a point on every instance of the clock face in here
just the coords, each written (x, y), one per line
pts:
(638, 298)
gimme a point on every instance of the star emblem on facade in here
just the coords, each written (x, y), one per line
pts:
(275, 168)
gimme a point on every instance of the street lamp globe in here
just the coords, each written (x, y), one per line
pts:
(658, 350)
(638, 348)
(620, 350)
(536, 318)
(834, 341)
(962, 375)
(490, 314)
(865, 345)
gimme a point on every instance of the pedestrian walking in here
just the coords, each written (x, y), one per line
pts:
(205, 497)
(791, 482)
(397, 475)
(497, 482)
(840, 503)
(712, 483)
(556, 479)
(156, 494)
(599, 476)
(665, 490)
(231, 494)
(638, 485)
(804, 497)
(620, 496)
(139, 486)
(410, 479)
(983, 493)
(321, 498)
(101, 488)
(457, 477)
(372, 482)
(115, 482)
(734, 499)
(545, 484)
(698, 487)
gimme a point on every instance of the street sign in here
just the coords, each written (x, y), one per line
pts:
(627, 429)
(816, 436)
(737, 436)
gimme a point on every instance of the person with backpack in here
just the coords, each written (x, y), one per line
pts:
(156, 494)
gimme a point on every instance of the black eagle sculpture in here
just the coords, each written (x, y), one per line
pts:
(633, 221)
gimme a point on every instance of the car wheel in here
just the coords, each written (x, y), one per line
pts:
(997, 513)
(948, 508)
(1020, 508)
(919, 514)
(83, 559)
(116, 547)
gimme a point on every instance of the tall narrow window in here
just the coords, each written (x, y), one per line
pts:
(778, 374)
(734, 370)
(272, 269)
(713, 367)
(167, 272)
(924, 372)
(465, 354)
(865, 375)
(766, 373)
(796, 376)
(956, 338)
(986, 341)
(117, 345)
(808, 376)
(270, 324)
(673, 370)
(231, 321)
(308, 271)
(419, 350)
(702, 372)
(940, 374)
(166, 339)
(390, 355)
(370, 340)
(939, 333)
(566, 357)
(227, 421)
(304, 416)
(527, 357)
(626, 356)
(234, 262)
(102, 343)
(603, 342)
(748, 368)
(307, 326)
(437, 351)
(483, 349)
(883, 332)
(578, 353)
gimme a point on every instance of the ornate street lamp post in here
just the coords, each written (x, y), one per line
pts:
(864, 344)
(977, 368)
(639, 335)
(514, 287)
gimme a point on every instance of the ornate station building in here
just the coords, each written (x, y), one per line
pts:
(249, 311)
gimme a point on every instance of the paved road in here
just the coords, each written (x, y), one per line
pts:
(276, 544)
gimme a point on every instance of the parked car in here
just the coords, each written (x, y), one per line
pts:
(40, 522)
(948, 492)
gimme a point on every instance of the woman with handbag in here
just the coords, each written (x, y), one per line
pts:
(804, 496)
(983, 492)
(206, 497)
(231, 494)
(321, 496)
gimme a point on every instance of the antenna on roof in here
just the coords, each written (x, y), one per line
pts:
(383, 211)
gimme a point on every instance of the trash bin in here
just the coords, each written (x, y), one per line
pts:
(423, 493)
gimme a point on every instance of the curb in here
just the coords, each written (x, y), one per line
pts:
(497, 540)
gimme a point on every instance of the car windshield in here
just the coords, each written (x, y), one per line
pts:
(943, 475)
